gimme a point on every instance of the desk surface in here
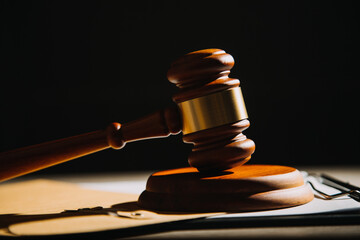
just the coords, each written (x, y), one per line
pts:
(340, 231)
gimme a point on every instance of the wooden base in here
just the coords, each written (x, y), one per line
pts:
(243, 188)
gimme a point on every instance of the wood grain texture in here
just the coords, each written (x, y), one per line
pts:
(243, 188)
(201, 73)
(29, 159)
(198, 74)
(220, 148)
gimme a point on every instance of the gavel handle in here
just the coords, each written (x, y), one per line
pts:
(30, 159)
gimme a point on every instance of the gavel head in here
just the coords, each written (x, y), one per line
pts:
(212, 110)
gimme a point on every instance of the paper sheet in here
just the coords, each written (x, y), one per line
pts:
(37, 208)
(318, 205)
(43, 207)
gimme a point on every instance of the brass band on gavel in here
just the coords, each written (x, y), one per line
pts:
(213, 110)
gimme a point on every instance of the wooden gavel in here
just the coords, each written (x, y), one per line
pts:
(210, 112)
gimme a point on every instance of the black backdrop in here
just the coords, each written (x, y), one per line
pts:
(69, 67)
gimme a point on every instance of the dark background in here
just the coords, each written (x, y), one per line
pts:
(69, 67)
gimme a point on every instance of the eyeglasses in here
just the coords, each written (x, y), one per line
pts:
(345, 188)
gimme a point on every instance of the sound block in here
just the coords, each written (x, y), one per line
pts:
(243, 188)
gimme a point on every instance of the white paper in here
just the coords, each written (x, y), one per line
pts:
(318, 205)
(135, 187)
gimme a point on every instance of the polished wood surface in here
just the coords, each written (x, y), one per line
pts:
(243, 188)
(29, 159)
(201, 73)
(197, 74)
